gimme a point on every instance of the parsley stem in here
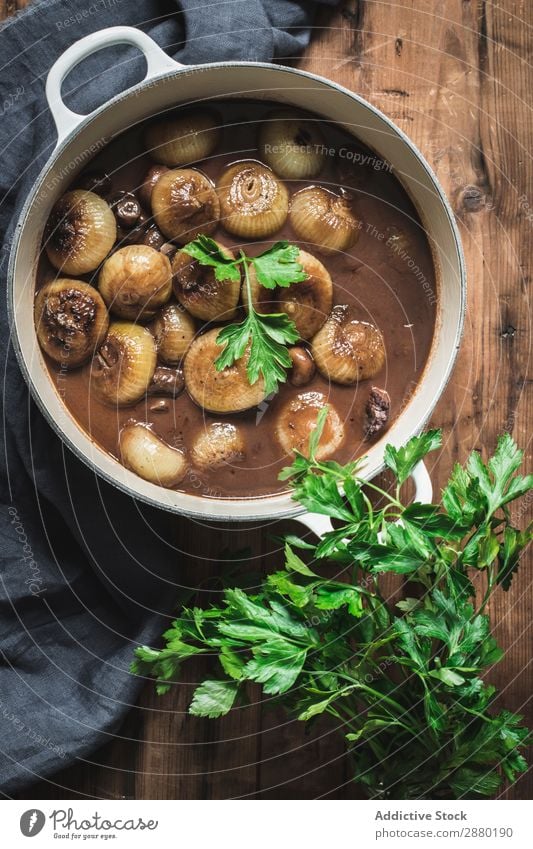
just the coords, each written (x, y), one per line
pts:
(395, 721)
(380, 696)
(387, 495)
(245, 261)
(491, 580)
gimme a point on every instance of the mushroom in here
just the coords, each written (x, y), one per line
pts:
(253, 202)
(400, 248)
(80, 232)
(150, 457)
(71, 320)
(377, 412)
(153, 238)
(292, 144)
(198, 290)
(303, 367)
(123, 368)
(324, 219)
(220, 444)
(185, 204)
(135, 281)
(173, 330)
(166, 381)
(147, 186)
(225, 391)
(297, 420)
(346, 350)
(190, 136)
(126, 209)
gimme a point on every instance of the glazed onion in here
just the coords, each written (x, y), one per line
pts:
(150, 457)
(346, 350)
(187, 138)
(324, 219)
(253, 202)
(80, 232)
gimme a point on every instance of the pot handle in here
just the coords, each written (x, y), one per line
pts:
(320, 525)
(157, 62)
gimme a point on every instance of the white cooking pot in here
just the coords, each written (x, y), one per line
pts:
(168, 83)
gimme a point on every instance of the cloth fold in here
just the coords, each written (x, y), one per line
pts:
(86, 572)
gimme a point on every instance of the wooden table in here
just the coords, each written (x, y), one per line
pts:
(456, 77)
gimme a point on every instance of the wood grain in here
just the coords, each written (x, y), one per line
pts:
(457, 78)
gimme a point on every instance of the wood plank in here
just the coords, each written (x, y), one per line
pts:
(506, 127)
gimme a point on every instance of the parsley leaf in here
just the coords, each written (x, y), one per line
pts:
(207, 252)
(494, 480)
(276, 665)
(263, 337)
(214, 698)
(279, 266)
(402, 460)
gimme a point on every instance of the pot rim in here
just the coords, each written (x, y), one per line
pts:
(282, 505)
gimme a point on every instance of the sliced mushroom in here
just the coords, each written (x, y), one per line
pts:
(71, 321)
(166, 381)
(297, 420)
(220, 444)
(400, 248)
(226, 391)
(147, 186)
(377, 412)
(150, 457)
(292, 144)
(324, 219)
(303, 367)
(173, 330)
(190, 136)
(185, 204)
(80, 232)
(135, 281)
(253, 202)
(308, 303)
(198, 290)
(123, 368)
(346, 350)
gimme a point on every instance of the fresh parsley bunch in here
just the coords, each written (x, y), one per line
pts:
(405, 682)
(265, 335)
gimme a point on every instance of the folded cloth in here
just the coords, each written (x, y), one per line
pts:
(86, 571)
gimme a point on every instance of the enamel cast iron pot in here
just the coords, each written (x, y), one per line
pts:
(167, 84)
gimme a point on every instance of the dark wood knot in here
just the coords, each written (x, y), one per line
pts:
(472, 199)
(508, 331)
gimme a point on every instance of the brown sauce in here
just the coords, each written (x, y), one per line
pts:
(395, 290)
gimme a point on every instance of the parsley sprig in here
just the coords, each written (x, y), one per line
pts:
(403, 682)
(266, 336)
